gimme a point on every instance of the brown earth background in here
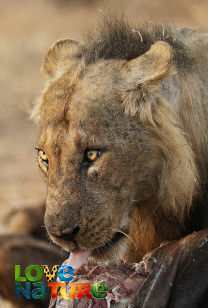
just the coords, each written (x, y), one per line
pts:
(27, 29)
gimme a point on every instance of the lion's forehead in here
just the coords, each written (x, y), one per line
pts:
(98, 87)
(82, 115)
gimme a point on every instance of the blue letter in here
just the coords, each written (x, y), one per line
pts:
(19, 289)
(39, 292)
(69, 272)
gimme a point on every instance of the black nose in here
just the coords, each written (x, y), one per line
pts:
(68, 236)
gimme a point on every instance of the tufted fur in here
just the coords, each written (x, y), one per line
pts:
(140, 95)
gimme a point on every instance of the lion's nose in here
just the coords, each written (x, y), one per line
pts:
(66, 235)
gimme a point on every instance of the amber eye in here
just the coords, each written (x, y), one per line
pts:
(92, 155)
(43, 158)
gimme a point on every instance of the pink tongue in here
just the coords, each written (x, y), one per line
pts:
(78, 257)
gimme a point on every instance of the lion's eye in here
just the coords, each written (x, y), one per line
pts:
(43, 158)
(92, 155)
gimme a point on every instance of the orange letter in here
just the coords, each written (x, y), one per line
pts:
(73, 291)
(86, 291)
(54, 286)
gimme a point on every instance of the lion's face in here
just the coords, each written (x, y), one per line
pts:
(97, 162)
(109, 151)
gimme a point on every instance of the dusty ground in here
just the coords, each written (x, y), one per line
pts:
(27, 29)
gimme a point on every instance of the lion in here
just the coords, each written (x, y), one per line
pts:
(124, 139)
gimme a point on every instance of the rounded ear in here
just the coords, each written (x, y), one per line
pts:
(63, 54)
(154, 65)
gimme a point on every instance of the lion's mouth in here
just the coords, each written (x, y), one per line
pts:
(78, 257)
(116, 238)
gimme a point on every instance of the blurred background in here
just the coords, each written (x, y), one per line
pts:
(27, 29)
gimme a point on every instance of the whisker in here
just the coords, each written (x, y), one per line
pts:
(109, 242)
(118, 230)
(134, 200)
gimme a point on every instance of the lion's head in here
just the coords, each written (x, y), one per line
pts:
(119, 170)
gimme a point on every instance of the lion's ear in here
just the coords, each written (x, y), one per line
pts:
(62, 54)
(152, 66)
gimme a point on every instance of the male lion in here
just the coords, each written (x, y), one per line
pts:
(124, 139)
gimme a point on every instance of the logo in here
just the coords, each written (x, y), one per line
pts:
(30, 286)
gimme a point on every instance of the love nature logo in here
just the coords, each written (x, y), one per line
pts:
(31, 287)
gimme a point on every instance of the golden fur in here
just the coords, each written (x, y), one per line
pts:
(138, 94)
